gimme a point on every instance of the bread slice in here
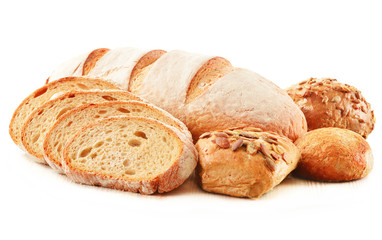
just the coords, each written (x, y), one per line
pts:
(43, 94)
(67, 125)
(134, 154)
(42, 119)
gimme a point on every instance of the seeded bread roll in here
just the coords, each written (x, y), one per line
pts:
(42, 119)
(45, 93)
(244, 163)
(68, 124)
(334, 155)
(329, 103)
(134, 154)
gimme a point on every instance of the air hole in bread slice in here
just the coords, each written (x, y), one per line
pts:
(40, 92)
(126, 163)
(109, 98)
(82, 86)
(136, 110)
(123, 110)
(102, 111)
(36, 137)
(93, 155)
(85, 152)
(130, 172)
(99, 144)
(164, 139)
(96, 116)
(134, 143)
(62, 112)
(140, 134)
(69, 124)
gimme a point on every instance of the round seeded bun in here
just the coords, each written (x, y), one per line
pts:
(244, 163)
(334, 155)
(329, 103)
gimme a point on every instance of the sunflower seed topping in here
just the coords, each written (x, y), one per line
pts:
(205, 135)
(221, 134)
(222, 142)
(237, 144)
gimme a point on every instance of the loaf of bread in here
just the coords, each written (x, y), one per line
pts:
(134, 154)
(244, 162)
(205, 92)
(44, 94)
(334, 155)
(68, 124)
(329, 103)
(42, 118)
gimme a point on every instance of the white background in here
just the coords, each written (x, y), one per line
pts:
(285, 41)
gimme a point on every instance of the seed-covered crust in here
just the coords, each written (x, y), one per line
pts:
(244, 162)
(329, 103)
(333, 154)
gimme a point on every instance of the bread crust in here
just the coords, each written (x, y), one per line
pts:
(243, 98)
(245, 171)
(240, 98)
(164, 182)
(92, 59)
(334, 155)
(329, 103)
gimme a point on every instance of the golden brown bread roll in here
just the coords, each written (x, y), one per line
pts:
(244, 163)
(329, 103)
(333, 154)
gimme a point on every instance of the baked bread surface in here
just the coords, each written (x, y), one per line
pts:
(45, 93)
(329, 103)
(69, 123)
(42, 119)
(334, 155)
(244, 163)
(109, 153)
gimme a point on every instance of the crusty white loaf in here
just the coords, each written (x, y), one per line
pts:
(67, 125)
(134, 154)
(42, 119)
(205, 92)
(45, 93)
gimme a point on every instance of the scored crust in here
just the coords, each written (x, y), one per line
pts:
(117, 65)
(42, 119)
(43, 94)
(329, 103)
(92, 59)
(70, 122)
(142, 67)
(211, 71)
(244, 162)
(170, 176)
(243, 98)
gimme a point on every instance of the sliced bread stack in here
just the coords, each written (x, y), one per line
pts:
(97, 134)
